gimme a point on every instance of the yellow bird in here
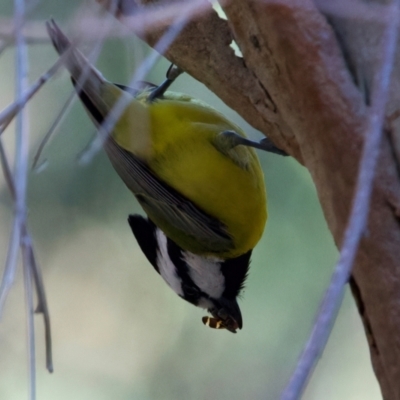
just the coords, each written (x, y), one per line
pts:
(194, 174)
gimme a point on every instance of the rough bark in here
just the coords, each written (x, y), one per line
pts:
(302, 82)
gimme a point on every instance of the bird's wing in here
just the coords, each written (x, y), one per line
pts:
(162, 202)
(158, 199)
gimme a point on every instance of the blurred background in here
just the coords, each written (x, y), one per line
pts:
(118, 331)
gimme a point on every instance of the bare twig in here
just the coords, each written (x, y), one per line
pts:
(142, 20)
(56, 123)
(30, 320)
(358, 217)
(33, 33)
(7, 115)
(145, 19)
(29, 254)
(5, 166)
(21, 172)
(28, 39)
(42, 307)
(21, 155)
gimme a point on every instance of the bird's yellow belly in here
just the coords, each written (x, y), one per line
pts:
(191, 164)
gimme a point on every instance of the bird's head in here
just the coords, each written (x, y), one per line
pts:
(225, 315)
(208, 282)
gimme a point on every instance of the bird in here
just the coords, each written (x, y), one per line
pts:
(196, 176)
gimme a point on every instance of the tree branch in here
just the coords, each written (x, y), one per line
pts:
(294, 84)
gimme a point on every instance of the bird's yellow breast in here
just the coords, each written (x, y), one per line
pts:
(184, 155)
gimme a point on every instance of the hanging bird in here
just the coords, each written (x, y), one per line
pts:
(194, 174)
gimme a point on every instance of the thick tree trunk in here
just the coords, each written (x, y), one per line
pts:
(304, 80)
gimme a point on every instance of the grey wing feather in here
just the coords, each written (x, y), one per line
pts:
(160, 200)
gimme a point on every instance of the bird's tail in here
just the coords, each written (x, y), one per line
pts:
(100, 96)
(83, 73)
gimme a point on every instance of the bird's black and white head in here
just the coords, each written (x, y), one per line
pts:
(206, 282)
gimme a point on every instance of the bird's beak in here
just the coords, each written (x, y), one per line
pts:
(230, 312)
(235, 314)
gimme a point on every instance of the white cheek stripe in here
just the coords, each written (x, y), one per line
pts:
(206, 274)
(165, 265)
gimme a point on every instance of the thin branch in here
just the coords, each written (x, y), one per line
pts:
(30, 320)
(53, 128)
(21, 154)
(9, 270)
(5, 166)
(21, 173)
(358, 217)
(143, 20)
(29, 254)
(29, 260)
(8, 114)
(155, 17)
(30, 40)
(32, 33)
